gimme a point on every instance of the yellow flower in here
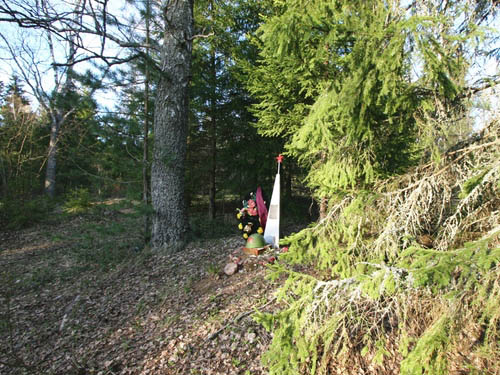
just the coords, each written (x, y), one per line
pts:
(260, 230)
(245, 236)
(238, 215)
(240, 227)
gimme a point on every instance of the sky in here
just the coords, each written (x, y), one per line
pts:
(38, 62)
(490, 99)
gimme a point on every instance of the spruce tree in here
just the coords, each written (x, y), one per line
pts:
(225, 154)
(355, 88)
(335, 79)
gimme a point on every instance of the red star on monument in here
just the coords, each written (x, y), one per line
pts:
(279, 158)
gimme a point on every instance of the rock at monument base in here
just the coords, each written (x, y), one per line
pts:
(230, 269)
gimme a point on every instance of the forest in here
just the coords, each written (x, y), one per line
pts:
(131, 133)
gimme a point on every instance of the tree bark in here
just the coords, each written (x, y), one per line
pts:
(213, 138)
(323, 208)
(170, 129)
(50, 171)
(288, 181)
(4, 177)
(58, 116)
(145, 155)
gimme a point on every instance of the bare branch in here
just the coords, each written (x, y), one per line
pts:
(487, 85)
(199, 36)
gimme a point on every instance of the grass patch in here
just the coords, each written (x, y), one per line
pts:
(99, 243)
(105, 259)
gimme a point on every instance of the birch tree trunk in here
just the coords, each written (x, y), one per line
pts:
(59, 115)
(170, 129)
(50, 171)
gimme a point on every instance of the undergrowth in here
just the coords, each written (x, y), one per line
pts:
(375, 298)
(21, 213)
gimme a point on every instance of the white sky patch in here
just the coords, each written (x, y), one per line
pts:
(33, 54)
(487, 103)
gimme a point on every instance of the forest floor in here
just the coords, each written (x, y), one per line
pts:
(81, 296)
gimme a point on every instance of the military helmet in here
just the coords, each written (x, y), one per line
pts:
(256, 241)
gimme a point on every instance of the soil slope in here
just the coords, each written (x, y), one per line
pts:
(81, 296)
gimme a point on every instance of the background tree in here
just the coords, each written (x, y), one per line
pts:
(21, 138)
(225, 153)
(94, 19)
(239, 157)
(145, 154)
(170, 128)
(39, 52)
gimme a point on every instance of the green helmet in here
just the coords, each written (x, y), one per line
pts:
(256, 241)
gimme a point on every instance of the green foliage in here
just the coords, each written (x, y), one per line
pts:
(330, 321)
(443, 269)
(361, 301)
(90, 148)
(471, 183)
(77, 201)
(340, 247)
(16, 213)
(89, 151)
(23, 142)
(430, 354)
(358, 91)
(333, 80)
(221, 144)
(290, 348)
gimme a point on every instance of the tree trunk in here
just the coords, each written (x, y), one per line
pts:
(213, 138)
(58, 117)
(170, 129)
(288, 181)
(323, 208)
(145, 166)
(50, 171)
(4, 177)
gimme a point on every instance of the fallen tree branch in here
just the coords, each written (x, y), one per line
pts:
(67, 311)
(464, 152)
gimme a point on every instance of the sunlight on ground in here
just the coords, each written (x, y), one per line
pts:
(26, 249)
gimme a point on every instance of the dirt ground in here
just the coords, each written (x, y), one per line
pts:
(81, 296)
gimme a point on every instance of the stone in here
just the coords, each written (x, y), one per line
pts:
(230, 269)
(425, 240)
(251, 336)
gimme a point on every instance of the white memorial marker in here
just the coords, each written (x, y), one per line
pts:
(272, 232)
